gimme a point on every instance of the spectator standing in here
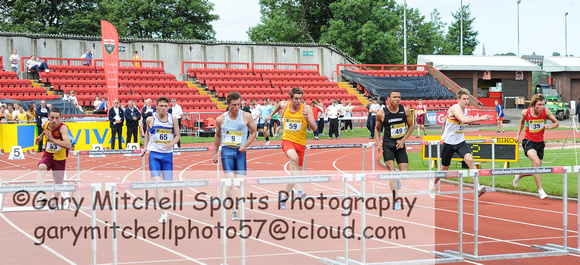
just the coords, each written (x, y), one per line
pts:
(265, 111)
(177, 111)
(23, 116)
(15, 60)
(8, 112)
(32, 112)
(275, 121)
(373, 110)
(332, 113)
(41, 118)
(348, 116)
(116, 119)
(420, 112)
(132, 116)
(321, 118)
(2, 111)
(255, 113)
(245, 107)
(146, 112)
(97, 102)
(316, 112)
(89, 56)
(136, 59)
(499, 117)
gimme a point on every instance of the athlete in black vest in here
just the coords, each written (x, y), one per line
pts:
(397, 122)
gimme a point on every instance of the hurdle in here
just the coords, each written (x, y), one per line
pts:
(439, 257)
(547, 250)
(92, 188)
(290, 180)
(114, 187)
(576, 169)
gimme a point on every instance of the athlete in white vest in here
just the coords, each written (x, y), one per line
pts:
(161, 134)
(454, 138)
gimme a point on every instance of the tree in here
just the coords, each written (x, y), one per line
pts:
(556, 54)
(291, 20)
(133, 18)
(423, 37)
(364, 30)
(453, 37)
(505, 54)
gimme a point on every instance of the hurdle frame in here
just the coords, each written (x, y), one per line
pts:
(575, 169)
(439, 257)
(547, 250)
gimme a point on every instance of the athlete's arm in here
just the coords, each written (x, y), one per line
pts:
(253, 131)
(146, 133)
(278, 107)
(521, 126)
(457, 113)
(309, 116)
(40, 136)
(65, 142)
(217, 139)
(401, 143)
(555, 124)
(379, 124)
(176, 134)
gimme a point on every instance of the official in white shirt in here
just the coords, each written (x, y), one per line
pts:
(15, 61)
(177, 111)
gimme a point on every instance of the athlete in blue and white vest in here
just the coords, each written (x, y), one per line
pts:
(232, 135)
(161, 134)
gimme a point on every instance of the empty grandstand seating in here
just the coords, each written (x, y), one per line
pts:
(274, 84)
(136, 83)
(20, 89)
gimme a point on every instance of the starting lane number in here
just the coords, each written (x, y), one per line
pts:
(16, 153)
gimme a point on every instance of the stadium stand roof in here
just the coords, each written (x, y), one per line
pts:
(562, 64)
(477, 63)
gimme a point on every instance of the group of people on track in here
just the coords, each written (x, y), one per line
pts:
(235, 131)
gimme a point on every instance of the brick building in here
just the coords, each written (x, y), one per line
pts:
(565, 75)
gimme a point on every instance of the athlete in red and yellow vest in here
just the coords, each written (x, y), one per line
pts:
(535, 120)
(297, 116)
(56, 151)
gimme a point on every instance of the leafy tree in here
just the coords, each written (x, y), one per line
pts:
(133, 18)
(556, 54)
(453, 37)
(505, 54)
(423, 37)
(364, 29)
(291, 20)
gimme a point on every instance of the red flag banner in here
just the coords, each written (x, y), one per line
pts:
(110, 40)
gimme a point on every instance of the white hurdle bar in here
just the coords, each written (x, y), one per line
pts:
(93, 187)
(576, 169)
(546, 251)
(439, 257)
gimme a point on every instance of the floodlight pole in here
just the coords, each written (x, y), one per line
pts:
(519, 1)
(566, 33)
(405, 34)
(461, 35)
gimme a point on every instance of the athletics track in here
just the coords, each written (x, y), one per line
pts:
(509, 223)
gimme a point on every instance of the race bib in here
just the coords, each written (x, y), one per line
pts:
(293, 125)
(536, 125)
(398, 130)
(461, 129)
(163, 136)
(233, 138)
(52, 147)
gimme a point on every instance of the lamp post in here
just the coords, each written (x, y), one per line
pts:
(461, 34)
(519, 1)
(566, 33)
(405, 33)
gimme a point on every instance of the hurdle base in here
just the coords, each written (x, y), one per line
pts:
(442, 258)
(559, 247)
(547, 252)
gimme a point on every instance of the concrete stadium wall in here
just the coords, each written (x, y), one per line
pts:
(174, 53)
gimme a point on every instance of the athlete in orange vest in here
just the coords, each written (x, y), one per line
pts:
(297, 116)
(534, 119)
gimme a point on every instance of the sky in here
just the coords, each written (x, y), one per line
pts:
(542, 23)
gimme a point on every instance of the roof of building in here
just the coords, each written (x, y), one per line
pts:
(562, 64)
(477, 63)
